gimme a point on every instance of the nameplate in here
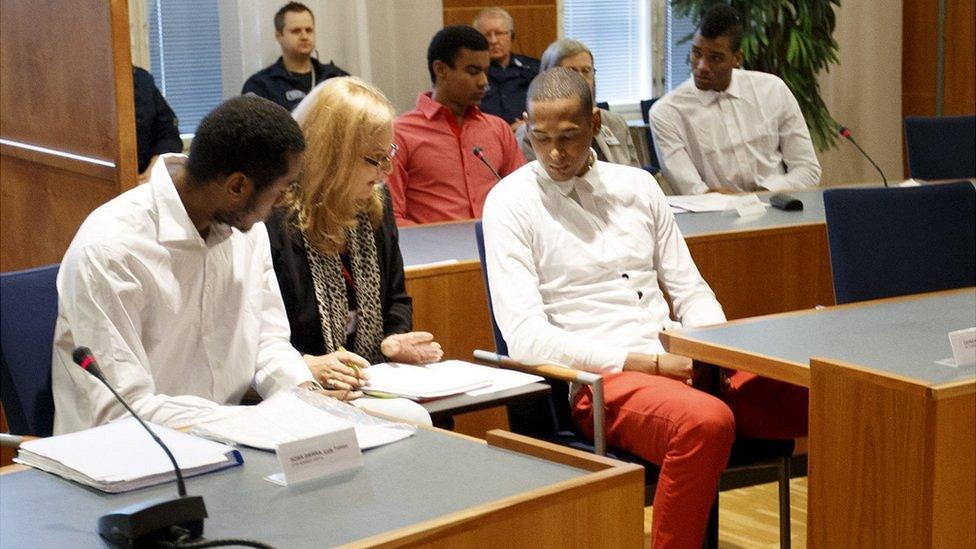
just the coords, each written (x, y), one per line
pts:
(749, 205)
(963, 346)
(317, 457)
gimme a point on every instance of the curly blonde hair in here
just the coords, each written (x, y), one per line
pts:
(340, 118)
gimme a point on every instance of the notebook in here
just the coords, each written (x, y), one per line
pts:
(121, 456)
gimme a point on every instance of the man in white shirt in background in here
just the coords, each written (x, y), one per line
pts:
(171, 284)
(575, 248)
(731, 130)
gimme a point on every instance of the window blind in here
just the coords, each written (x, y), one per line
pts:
(618, 33)
(678, 43)
(185, 57)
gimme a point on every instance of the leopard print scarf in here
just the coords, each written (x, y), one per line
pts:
(330, 292)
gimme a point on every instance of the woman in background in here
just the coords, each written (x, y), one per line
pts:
(335, 246)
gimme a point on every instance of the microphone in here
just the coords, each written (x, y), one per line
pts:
(846, 134)
(153, 521)
(484, 159)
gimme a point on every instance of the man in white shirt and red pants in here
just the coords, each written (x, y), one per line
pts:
(575, 250)
(731, 130)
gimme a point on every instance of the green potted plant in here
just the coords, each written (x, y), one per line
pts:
(792, 39)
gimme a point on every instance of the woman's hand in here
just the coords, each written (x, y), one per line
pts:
(341, 373)
(412, 348)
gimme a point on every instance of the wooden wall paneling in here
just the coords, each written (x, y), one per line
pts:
(57, 85)
(66, 86)
(126, 155)
(42, 207)
(535, 22)
(959, 96)
(920, 19)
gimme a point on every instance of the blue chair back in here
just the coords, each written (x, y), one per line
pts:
(603, 105)
(500, 346)
(941, 147)
(891, 242)
(28, 312)
(645, 106)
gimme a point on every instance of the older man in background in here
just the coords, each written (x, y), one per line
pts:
(509, 74)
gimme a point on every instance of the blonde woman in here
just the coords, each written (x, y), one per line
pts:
(335, 244)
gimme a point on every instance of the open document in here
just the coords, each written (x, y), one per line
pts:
(121, 456)
(442, 379)
(708, 202)
(297, 415)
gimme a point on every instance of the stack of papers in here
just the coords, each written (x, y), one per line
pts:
(121, 456)
(501, 378)
(297, 415)
(708, 202)
(425, 382)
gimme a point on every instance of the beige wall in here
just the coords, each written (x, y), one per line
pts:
(863, 92)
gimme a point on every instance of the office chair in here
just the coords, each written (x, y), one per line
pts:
(752, 461)
(645, 106)
(28, 311)
(900, 241)
(941, 147)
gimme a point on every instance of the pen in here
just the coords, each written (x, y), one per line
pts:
(352, 365)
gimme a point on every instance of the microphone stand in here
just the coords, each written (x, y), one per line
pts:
(148, 523)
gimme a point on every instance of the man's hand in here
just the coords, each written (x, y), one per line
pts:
(341, 373)
(412, 348)
(664, 364)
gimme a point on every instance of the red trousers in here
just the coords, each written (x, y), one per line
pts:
(689, 434)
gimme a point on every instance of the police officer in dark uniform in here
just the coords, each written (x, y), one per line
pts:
(295, 73)
(509, 74)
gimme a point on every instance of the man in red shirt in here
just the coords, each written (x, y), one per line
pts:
(436, 174)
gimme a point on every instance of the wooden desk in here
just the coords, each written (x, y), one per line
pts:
(432, 489)
(892, 460)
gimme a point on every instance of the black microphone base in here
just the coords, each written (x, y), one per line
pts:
(145, 524)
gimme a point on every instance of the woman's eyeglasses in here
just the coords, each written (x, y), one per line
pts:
(386, 162)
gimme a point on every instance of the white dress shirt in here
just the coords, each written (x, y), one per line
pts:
(750, 137)
(180, 326)
(574, 267)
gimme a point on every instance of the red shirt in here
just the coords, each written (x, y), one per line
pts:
(435, 175)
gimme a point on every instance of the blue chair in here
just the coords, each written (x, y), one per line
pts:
(603, 105)
(751, 462)
(28, 312)
(645, 106)
(900, 241)
(941, 147)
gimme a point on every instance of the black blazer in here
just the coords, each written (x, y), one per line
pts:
(295, 279)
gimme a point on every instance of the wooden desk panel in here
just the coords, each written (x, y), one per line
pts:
(766, 271)
(892, 440)
(449, 301)
(892, 462)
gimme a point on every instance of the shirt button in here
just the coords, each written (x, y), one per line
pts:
(625, 276)
(640, 294)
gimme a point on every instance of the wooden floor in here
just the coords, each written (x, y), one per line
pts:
(749, 517)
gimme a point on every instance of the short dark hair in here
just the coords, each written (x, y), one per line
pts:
(561, 83)
(722, 20)
(246, 134)
(447, 43)
(297, 7)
